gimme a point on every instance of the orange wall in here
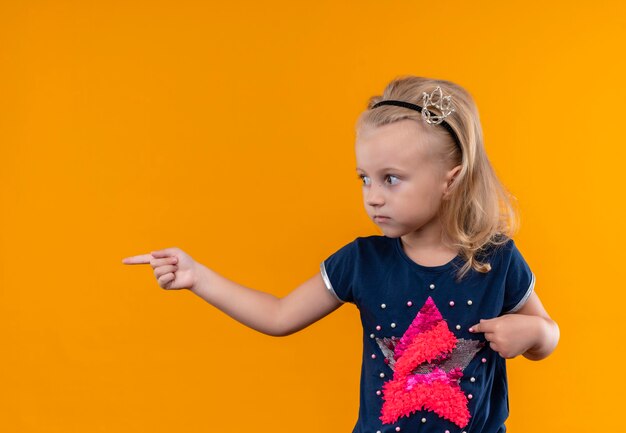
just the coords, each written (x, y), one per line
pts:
(226, 129)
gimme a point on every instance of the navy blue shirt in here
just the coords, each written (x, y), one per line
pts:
(422, 370)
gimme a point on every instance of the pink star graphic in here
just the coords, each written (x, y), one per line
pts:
(428, 362)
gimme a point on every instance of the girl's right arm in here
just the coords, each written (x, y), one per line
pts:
(258, 310)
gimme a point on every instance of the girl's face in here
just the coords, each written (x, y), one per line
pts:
(401, 179)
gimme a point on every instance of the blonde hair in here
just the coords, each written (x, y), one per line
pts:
(479, 213)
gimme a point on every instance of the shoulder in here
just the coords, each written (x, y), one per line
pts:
(368, 248)
(374, 244)
(374, 240)
(498, 253)
(500, 244)
(507, 261)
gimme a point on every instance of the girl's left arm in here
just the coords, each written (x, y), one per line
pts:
(546, 331)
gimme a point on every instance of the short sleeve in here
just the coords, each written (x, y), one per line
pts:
(519, 281)
(338, 272)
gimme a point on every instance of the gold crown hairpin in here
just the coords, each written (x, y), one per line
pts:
(437, 100)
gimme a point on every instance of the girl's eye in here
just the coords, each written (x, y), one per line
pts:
(389, 176)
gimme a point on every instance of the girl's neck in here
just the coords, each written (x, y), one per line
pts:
(433, 255)
(425, 248)
(429, 238)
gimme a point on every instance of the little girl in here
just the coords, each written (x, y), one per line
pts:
(444, 294)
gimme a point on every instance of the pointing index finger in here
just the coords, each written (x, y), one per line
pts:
(167, 252)
(485, 325)
(141, 259)
(478, 327)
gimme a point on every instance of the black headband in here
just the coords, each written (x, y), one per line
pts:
(418, 108)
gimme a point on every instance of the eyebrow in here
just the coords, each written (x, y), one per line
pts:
(384, 169)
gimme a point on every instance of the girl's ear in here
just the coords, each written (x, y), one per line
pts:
(451, 176)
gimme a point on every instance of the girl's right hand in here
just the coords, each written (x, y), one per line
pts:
(173, 268)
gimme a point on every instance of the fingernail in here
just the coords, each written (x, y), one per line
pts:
(471, 329)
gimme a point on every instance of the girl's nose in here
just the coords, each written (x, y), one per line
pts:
(374, 195)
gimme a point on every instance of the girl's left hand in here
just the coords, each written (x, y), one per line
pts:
(509, 335)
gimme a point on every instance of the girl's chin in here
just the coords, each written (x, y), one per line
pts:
(391, 232)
